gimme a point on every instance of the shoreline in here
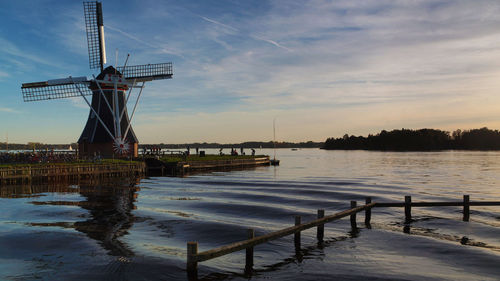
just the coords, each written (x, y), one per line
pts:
(26, 173)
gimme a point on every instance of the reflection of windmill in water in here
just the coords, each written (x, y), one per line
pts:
(108, 130)
(110, 207)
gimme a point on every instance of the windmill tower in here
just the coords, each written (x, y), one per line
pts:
(108, 130)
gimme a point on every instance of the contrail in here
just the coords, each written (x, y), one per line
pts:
(218, 23)
(144, 42)
(272, 42)
(276, 44)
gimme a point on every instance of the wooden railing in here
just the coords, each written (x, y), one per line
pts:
(194, 257)
(31, 172)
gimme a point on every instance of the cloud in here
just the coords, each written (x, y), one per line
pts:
(4, 74)
(324, 67)
(78, 102)
(391, 50)
(353, 59)
(9, 110)
(10, 49)
(144, 42)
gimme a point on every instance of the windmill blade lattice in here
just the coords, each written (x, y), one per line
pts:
(95, 36)
(147, 72)
(50, 92)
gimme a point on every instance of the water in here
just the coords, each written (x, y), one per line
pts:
(138, 230)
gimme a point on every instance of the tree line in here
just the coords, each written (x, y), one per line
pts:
(248, 144)
(419, 140)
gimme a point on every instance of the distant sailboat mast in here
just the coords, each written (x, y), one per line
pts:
(274, 162)
(274, 137)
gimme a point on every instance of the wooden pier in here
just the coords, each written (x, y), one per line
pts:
(25, 174)
(158, 168)
(194, 257)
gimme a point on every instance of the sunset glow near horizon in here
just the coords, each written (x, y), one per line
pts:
(321, 68)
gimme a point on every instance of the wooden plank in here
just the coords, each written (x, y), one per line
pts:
(368, 212)
(249, 253)
(466, 208)
(485, 203)
(234, 247)
(439, 204)
(320, 232)
(192, 263)
(53, 172)
(407, 209)
(250, 243)
(296, 238)
(354, 225)
(389, 205)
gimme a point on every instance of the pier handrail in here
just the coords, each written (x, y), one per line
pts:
(193, 256)
(439, 204)
(238, 246)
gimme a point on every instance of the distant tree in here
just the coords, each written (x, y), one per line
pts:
(480, 139)
(398, 140)
(420, 140)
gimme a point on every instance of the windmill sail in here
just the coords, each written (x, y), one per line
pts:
(95, 34)
(147, 72)
(55, 89)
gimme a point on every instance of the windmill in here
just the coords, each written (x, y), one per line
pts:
(108, 130)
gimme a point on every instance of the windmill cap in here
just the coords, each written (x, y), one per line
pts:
(108, 70)
(108, 77)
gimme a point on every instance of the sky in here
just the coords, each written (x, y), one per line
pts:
(321, 68)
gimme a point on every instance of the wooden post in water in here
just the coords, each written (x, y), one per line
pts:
(249, 253)
(407, 209)
(192, 264)
(368, 211)
(296, 237)
(321, 228)
(353, 216)
(466, 208)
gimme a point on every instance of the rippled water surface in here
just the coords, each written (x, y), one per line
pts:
(138, 230)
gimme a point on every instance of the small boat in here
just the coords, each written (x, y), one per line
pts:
(275, 162)
(294, 149)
